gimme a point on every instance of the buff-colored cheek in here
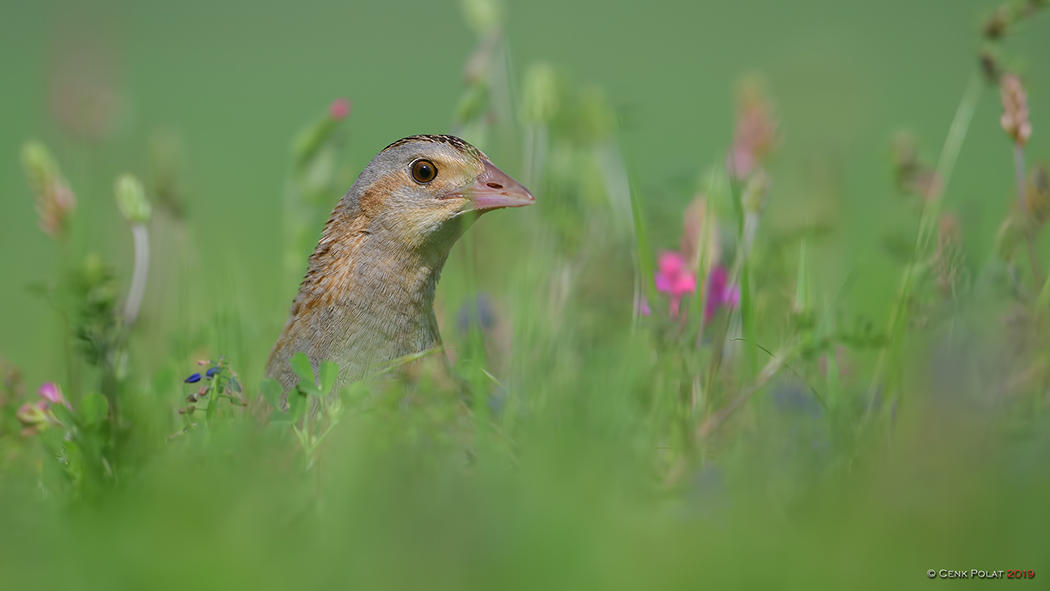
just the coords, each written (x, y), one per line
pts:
(413, 226)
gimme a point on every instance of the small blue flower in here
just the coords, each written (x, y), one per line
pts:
(193, 379)
(211, 372)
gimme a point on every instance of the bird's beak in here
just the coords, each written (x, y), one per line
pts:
(494, 189)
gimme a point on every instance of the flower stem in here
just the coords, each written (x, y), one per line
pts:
(138, 278)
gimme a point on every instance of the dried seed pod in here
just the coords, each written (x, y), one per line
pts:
(998, 22)
(991, 64)
(913, 174)
(1015, 109)
(755, 134)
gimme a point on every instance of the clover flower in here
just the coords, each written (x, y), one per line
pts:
(35, 416)
(674, 278)
(55, 201)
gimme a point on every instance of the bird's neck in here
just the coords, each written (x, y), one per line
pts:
(372, 297)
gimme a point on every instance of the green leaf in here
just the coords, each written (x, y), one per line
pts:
(272, 391)
(93, 409)
(297, 404)
(63, 414)
(302, 368)
(329, 372)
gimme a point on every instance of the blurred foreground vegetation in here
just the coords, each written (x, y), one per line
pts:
(703, 381)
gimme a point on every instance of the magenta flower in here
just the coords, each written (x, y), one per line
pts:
(719, 292)
(50, 392)
(674, 278)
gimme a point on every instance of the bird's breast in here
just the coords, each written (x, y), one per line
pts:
(359, 309)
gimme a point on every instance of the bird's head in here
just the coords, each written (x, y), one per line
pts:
(424, 191)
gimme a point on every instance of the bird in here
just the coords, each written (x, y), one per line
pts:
(368, 294)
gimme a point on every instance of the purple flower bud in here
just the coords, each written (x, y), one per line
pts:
(193, 379)
(211, 372)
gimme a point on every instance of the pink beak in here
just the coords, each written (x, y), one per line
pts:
(494, 189)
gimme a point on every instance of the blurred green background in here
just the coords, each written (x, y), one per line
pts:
(578, 493)
(235, 81)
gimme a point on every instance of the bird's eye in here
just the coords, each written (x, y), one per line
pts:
(424, 171)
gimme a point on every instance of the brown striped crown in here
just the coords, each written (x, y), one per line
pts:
(439, 139)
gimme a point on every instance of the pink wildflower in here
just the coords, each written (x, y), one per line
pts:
(50, 392)
(36, 416)
(339, 109)
(674, 278)
(741, 159)
(720, 293)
